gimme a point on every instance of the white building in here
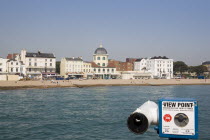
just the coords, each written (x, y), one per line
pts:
(87, 69)
(102, 69)
(16, 67)
(3, 65)
(72, 67)
(160, 67)
(140, 64)
(38, 63)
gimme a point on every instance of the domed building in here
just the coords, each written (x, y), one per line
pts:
(100, 56)
(101, 67)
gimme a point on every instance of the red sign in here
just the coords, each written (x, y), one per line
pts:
(167, 117)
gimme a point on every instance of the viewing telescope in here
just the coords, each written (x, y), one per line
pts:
(144, 116)
(174, 118)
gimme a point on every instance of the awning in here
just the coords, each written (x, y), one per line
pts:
(142, 75)
(115, 74)
(75, 74)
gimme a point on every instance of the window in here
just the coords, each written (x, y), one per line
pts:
(11, 63)
(16, 69)
(94, 69)
(30, 69)
(11, 69)
(16, 63)
(29, 59)
(29, 63)
(45, 64)
(35, 64)
(107, 70)
(0, 69)
(99, 64)
(104, 64)
(0, 64)
(50, 60)
(45, 59)
(98, 58)
(104, 58)
(112, 70)
(50, 64)
(99, 70)
(103, 70)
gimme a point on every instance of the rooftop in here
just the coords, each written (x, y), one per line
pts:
(159, 57)
(100, 50)
(74, 59)
(39, 54)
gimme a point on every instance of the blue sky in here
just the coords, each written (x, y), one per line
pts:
(178, 29)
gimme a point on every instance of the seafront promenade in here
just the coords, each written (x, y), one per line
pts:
(89, 83)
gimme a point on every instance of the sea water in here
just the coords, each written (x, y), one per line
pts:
(92, 113)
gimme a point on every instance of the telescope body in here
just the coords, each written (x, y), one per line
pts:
(144, 116)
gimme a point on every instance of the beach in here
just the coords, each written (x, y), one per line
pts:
(89, 83)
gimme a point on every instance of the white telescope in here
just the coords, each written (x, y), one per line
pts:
(144, 116)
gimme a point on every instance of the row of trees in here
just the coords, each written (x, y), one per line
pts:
(181, 67)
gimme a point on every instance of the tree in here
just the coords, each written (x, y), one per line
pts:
(199, 70)
(180, 66)
(58, 67)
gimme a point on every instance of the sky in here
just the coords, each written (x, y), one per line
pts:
(178, 29)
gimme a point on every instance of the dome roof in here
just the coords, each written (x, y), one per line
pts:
(100, 50)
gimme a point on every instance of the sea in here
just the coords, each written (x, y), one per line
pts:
(91, 113)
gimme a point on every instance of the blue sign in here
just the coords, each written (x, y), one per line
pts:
(178, 118)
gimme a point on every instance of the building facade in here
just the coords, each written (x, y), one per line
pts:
(3, 65)
(102, 69)
(16, 67)
(122, 66)
(71, 67)
(100, 57)
(159, 67)
(38, 63)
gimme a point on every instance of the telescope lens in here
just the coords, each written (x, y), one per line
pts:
(138, 120)
(137, 123)
(181, 119)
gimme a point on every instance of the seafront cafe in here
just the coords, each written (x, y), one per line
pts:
(75, 75)
(105, 76)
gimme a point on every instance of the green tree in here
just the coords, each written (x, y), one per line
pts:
(180, 66)
(199, 70)
(58, 66)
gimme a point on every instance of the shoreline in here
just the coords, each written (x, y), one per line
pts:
(12, 85)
